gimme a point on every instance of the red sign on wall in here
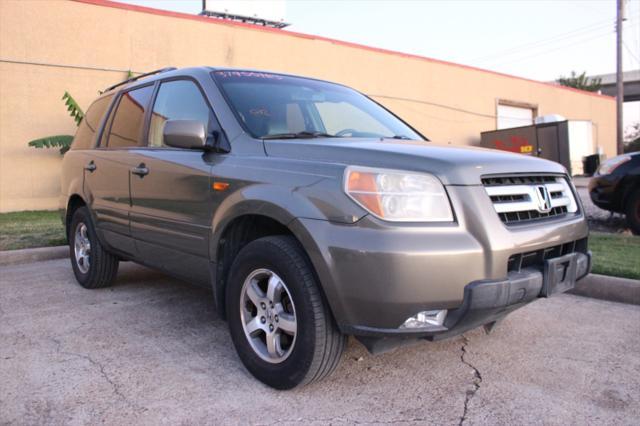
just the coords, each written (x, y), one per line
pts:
(518, 144)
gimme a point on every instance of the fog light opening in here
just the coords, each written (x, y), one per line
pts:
(426, 320)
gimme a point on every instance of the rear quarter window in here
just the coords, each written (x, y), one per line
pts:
(128, 121)
(86, 133)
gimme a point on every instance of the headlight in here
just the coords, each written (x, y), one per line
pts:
(398, 196)
(611, 164)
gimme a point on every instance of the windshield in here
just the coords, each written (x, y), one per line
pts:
(273, 106)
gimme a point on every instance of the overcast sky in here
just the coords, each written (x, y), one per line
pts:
(541, 40)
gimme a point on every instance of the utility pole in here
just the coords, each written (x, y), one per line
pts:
(619, 78)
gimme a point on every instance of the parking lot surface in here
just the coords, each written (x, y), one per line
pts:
(151, 350)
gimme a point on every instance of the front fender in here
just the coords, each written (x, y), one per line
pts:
(272, 201)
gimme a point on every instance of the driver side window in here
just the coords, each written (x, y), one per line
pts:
(177, 100)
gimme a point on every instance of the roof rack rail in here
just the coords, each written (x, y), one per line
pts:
(129, 80)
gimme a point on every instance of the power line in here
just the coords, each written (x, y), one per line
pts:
(545, 52)
(631, 52)
(77, 67)
(584, 31)
(422, 113)
(420, 101)
(553, 39)
(82, 67)
(558, 37)
(452, 108)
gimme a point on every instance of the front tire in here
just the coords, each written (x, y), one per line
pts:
(280, 325)
(93, 266)
(632, 211)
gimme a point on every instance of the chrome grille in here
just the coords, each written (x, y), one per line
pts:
(518, 199)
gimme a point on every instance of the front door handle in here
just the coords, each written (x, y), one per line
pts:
(141, 170)
(91, 167)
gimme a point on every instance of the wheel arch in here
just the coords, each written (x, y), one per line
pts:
(74, 202)
(628, 186)
(237, 230)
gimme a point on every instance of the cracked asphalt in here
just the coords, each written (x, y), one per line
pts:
(151, 350)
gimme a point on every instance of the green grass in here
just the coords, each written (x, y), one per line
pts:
(615, 254)
(31, 229)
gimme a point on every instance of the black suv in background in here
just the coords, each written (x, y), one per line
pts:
(616, 187)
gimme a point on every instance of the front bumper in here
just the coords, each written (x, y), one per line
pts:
(603, 191)
(488, 301)
(375, 274)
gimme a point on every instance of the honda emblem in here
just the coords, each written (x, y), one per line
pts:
(544, 200)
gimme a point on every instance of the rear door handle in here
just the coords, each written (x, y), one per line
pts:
(91, 167)
(141, 170)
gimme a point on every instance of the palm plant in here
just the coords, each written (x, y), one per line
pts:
(64, 141)
(61, 141)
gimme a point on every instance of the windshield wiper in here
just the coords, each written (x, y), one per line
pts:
(403, 137)
(299, 135)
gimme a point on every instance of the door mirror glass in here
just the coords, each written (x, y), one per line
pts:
(187, 134)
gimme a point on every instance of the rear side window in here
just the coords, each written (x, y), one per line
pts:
(88, 127)
(177, 100)
(128, 121)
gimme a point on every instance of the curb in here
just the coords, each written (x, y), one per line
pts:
(16, 257)
(596, 286)
(613, 289)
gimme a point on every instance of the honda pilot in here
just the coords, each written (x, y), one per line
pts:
(312, 213)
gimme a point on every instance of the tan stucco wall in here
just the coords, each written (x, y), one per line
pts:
(119, 38)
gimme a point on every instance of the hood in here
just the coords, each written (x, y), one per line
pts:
(453, 165)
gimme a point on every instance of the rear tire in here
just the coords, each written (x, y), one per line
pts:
(274, 271)
(632, 211)
(93, 266)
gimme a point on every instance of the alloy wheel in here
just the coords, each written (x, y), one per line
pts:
(82, 248)
(268, 315)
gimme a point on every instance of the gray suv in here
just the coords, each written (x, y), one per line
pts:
(312, 213)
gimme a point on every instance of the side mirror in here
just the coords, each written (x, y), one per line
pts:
(187, 134)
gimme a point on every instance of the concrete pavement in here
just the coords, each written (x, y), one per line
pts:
(30, 255)
(151, 350)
